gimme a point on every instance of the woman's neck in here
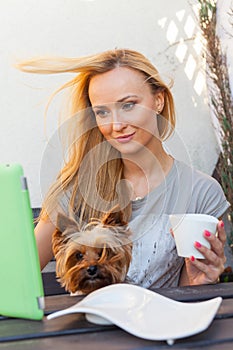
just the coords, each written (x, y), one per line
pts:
(146, 172)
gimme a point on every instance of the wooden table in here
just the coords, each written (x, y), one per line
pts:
(74, 332)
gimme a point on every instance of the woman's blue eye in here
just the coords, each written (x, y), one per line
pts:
(128, 106)
(101, 113)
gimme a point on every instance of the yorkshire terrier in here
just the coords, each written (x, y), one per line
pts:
(94, 255)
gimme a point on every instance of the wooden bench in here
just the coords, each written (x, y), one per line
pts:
(52, 286)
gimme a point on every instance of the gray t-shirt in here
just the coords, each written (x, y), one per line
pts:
(155, 262)
(184, 190)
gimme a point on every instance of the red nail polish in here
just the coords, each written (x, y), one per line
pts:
(207, 233)
(221, 223)
(197, 244)
(192, 258)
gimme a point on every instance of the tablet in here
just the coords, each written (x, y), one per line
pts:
(21, 289)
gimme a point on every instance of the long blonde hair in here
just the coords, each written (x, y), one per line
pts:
(85, 139)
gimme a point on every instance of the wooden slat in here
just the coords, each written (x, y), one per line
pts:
(201, 292)
(189, 293)
(59, 302)
(79, 332)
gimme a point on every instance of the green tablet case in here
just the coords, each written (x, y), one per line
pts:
(21, 286)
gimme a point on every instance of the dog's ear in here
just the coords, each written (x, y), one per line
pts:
(114, 217)
(64, 226)
(64, 222)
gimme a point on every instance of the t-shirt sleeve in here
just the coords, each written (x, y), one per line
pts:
(210, 197)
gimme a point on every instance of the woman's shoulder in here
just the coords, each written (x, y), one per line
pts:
(207, 193)
(198, 177)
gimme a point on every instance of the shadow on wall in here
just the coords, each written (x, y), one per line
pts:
(182, 56)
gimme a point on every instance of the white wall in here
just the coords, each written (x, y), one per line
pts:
(163, 30)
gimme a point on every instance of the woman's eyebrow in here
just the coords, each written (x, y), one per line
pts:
(118, 101)
(126, 98)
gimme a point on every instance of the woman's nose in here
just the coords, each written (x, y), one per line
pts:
(117, 126)
(117, 122)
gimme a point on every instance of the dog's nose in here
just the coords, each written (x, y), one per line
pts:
(92, 270)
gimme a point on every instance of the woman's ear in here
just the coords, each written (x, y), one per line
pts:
(159, 102)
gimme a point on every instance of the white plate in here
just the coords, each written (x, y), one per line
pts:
(144, 313)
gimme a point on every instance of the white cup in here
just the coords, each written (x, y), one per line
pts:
(189, 228)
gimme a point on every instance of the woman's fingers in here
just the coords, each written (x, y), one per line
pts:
(213, 264)
(210, 271)
(216, 242)
(221, 232)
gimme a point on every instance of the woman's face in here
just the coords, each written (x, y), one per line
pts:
(125, 109)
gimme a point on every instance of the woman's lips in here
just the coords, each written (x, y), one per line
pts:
(125, 138)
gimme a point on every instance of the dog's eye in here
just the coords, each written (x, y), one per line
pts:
(79, 256)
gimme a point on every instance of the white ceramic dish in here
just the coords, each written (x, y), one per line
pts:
(144, 313)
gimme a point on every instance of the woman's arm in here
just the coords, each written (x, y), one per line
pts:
(43, 233)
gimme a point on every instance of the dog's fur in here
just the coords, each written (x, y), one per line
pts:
(92, 256)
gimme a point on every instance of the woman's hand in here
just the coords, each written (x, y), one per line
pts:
(208, 270)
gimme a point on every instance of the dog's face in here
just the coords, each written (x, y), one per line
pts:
(93, 256)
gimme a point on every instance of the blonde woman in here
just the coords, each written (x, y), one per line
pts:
(121, 112)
